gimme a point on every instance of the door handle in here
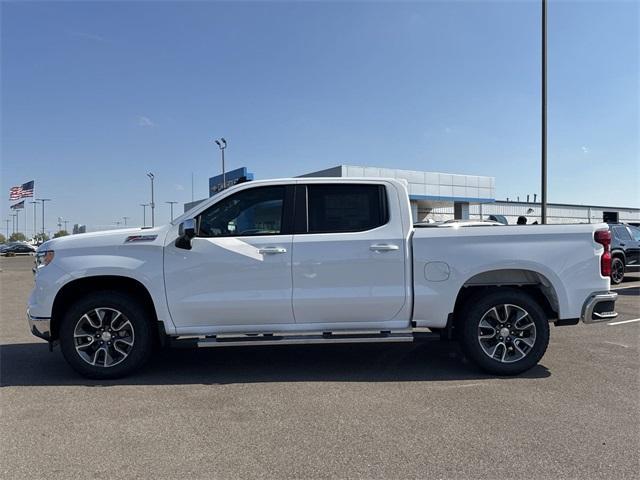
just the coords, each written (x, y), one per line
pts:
(272, 250)
(384, 247)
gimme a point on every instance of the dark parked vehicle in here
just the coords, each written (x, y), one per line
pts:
(625, 250)
(15, 248)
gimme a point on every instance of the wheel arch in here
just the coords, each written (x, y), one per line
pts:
(618, 252)
(536, 284)
(76, 289)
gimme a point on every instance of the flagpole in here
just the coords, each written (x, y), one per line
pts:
(35, 227)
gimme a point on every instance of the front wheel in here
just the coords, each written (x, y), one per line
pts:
(505, 332)
(617, 270)
(106, 335)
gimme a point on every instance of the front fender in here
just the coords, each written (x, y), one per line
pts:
(145, 267)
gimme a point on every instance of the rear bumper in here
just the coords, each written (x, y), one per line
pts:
(40, 327)
(599, 307)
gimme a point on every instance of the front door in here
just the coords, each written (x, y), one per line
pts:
(238, 271)
(633, 252)
(349, 263)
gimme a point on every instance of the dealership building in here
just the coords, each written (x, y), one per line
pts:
(443, 196)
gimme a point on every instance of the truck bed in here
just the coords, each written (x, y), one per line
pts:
(564, 259)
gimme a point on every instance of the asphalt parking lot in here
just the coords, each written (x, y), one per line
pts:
(368, 411)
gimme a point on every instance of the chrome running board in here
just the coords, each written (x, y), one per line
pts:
(266, 339)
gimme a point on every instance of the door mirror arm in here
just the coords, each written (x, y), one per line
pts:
(186, 231)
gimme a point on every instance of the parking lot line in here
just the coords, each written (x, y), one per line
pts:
(624, 321)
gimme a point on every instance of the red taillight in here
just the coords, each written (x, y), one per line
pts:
(603, 237)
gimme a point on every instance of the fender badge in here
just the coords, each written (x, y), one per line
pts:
(140, 238)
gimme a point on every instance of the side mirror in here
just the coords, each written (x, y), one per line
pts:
(186, 231)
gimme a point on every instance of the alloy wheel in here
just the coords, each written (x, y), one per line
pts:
(506, 333)
(617, 270)
(103, 337)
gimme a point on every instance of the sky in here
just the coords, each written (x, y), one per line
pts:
(97, 94)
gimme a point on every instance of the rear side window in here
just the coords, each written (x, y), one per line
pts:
(346, 207)
(621, 233)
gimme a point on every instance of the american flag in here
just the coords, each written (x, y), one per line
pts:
(22, 191)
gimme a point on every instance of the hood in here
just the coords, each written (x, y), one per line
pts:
(106, 238)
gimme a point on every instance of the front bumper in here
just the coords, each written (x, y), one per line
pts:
(39, 326)
(599, 307)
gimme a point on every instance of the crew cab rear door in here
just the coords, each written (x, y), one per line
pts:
(348, 254)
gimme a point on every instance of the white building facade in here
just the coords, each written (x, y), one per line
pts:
(444, 196)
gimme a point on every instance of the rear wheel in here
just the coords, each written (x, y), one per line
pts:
(106, 335)
(505, 332)
(617, 270)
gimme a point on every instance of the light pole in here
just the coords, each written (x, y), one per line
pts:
(65, 225)
(13, 223)
(35, 228)
(125, 220)
(144, 213)
(43, 200)
(152, 204)
(222, 144)
(7, 222)
(543, 199)
(171, 205)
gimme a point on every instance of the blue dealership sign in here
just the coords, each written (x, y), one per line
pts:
(233, 177)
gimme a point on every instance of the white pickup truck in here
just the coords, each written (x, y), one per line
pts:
(316, 260)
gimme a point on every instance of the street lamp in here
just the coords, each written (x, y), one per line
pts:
(7, 222)
(144, 214)
(152, 204)
(171, 204)
(125, 220)
(43, 200)
(543, 199)
(222, 144)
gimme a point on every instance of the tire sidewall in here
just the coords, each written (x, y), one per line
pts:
(129, 307)
(474, 312)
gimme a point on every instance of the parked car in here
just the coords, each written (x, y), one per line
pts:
(499, 219)
(307, 261)
(16, 248)
(625, 250)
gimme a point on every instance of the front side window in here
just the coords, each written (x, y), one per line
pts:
(635, 233)
(346, 207)
(621, 233)
(256, 211)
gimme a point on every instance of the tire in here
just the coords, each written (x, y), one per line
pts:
(617, 270)
(488, 315)
(106, 335)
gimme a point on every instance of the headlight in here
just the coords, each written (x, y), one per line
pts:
(44, 258)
